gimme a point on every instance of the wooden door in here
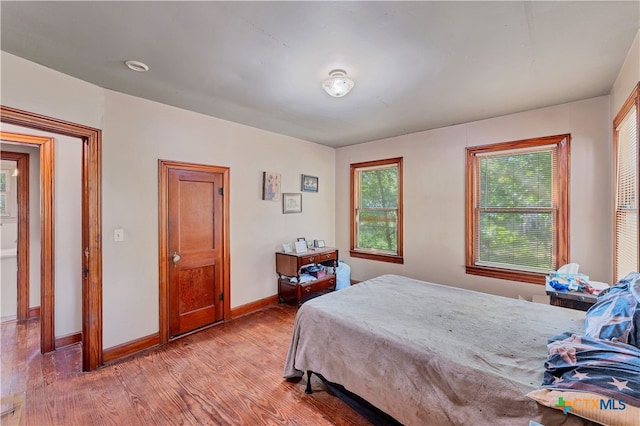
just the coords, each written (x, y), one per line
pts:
(194, 255)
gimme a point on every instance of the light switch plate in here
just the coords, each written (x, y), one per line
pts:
(118, 234)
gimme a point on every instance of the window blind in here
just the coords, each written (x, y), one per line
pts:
(516, 208)
(626, 216)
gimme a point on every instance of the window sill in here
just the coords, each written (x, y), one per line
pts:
(376, 256)
(507, 274)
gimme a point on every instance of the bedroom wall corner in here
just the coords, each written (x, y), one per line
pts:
(434, 193)
(628, 77)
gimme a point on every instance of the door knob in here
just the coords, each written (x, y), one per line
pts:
(176, 258)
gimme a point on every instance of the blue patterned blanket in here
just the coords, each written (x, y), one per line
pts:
(583, 363)
(616, 314)
(606, 360)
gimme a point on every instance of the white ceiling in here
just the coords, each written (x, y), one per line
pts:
(416, 65)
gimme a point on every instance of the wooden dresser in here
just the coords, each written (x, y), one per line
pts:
(288, 267)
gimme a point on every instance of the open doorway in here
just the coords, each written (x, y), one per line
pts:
(91, 254)
(9, 239)
(62, 298)
(14, 228)
(47, 232)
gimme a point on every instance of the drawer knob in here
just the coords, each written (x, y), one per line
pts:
(311, 259)
(307, 289)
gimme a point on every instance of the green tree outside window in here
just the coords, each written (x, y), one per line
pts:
(376, 203)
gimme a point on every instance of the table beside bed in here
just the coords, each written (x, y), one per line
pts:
(572, 299)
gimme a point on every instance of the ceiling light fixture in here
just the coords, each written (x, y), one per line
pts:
(338, 84)
(137, 66)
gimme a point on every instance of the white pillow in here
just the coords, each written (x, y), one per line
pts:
(590, 406)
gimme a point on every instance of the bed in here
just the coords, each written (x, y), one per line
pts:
(431, 354)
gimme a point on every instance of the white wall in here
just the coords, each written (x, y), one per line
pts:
(32, 87)
(628, 77)
(34, 226)
(8, 281)
(434, 197)
(68, 236)
(136, 134)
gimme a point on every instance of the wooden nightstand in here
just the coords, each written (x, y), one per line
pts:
(573, 300)
(288, 266)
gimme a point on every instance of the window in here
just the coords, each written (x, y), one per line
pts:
(376, 210)
(626, 197)
(517, 213)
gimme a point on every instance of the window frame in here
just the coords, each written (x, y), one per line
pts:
(632, 100)
(560, 208)
(373, 254)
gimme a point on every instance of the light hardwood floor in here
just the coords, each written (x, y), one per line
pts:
(229, 374)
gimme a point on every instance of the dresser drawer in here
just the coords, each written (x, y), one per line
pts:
(319, 257)
(317, 286)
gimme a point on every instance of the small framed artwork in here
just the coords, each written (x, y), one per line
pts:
(4, 181)
(309, 183)
(292, 203)
(287, 248)
(319, 243)
(271, 186)
(301, 247)
(4, 208)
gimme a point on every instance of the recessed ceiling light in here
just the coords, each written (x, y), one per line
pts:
(137, 66)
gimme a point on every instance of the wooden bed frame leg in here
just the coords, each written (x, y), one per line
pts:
(308, 390)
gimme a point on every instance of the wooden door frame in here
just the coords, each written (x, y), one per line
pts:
(163, 230)
(22, 160)
(91, 138)
(47, 238)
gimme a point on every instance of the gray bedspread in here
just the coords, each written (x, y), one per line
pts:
(429, 354)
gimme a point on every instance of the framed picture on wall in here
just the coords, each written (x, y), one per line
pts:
(309, 183)
(4, 181)
(4, 208)
(271, 186)
(292, 203)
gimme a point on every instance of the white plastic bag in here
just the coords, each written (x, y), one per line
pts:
(343, 273)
